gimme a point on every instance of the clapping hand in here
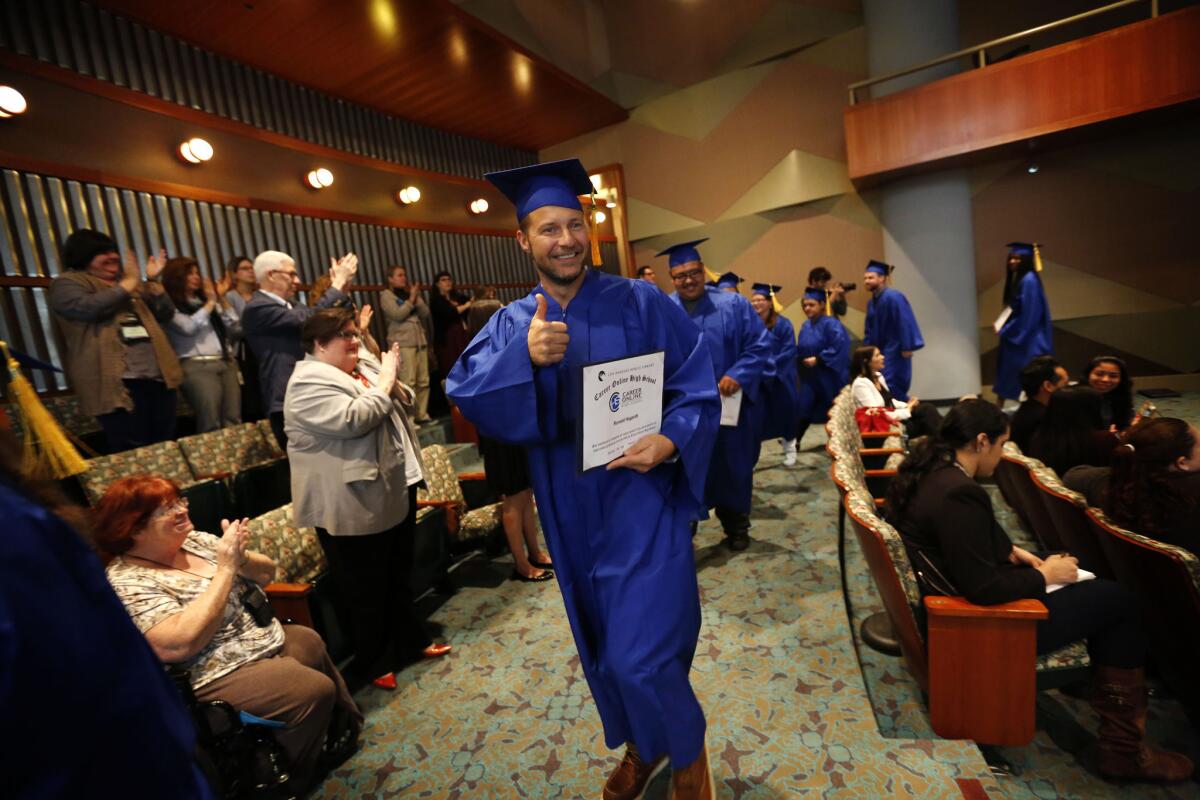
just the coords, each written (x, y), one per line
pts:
(341, 270)
(131, 276)
(231, 550)
(364, 318)
(223, 286)
(547, 341)
(155, 264)
(390, 368)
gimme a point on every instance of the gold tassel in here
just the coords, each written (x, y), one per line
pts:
(828, 303)
(596, 260)
(1037, 258)
(775, 304)
(712, 276)
(47, 452)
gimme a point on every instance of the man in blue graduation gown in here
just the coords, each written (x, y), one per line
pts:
(781, 401)
(891, 327)
(823, 350)
(1027, 333)
(619, 536)
(740, 350)
(728, 282)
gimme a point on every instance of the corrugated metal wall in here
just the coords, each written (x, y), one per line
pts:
(38, 212)
(93, 42)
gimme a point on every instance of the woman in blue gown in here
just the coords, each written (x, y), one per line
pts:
(1027, 333)
(781, 407)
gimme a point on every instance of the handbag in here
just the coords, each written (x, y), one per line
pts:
(874, 419)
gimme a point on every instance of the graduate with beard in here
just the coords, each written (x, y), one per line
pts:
(740, 350)
(891, 326)
(619, 536)
(1027, 332)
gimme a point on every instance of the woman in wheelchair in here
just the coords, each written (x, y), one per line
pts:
(197, 598)
(955, 544)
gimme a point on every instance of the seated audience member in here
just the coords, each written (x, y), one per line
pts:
(483, 306)
(239, 274)
(355, 464)
(1040, 378)
(1153, 485)
(1071, 432)
(271, 323)
(956, 546)
(200, 334)
(197, 599)
(118, 359)
(1109, 376)
(87, 709)
(409, 324)
(870, 390)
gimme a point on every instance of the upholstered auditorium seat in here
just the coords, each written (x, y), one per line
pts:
(467, 522)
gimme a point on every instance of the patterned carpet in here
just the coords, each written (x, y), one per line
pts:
(796, 705)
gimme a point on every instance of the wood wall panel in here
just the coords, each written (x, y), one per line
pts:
(1147, 65)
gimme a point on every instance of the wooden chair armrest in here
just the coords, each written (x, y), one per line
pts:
(288, 589)
(879, 473)
(880, 451)
(881, 434)
(472, 476)
(213, 476)
(880, 502)
(1031, 610)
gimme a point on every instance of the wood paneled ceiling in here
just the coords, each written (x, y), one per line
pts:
(423, 60)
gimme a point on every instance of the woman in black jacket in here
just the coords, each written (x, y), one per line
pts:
(950, 531)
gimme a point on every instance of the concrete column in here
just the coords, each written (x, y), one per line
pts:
(927, 230)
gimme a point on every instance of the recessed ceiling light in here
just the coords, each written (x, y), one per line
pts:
(319, 178)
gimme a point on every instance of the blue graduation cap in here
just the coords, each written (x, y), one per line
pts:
(1030, 249)
(729, 280)
(879, 268)
(765, 289)
(683, 252)
(815, 294)
(555, 183)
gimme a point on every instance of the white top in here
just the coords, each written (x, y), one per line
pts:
(867, 396)
(193, 334)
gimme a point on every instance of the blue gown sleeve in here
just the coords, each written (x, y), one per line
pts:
(498, 388)
(785, 356)
(908, 333)
(835, 348)
(691, 405)
(754, 363)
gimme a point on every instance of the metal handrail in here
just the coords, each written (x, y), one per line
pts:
(979, 51)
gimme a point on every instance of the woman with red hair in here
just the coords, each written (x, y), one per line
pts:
(197, 599)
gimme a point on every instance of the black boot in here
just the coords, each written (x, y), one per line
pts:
(737, 528)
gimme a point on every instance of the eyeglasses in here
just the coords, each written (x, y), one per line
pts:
(690, 275)
(290, 273)
(349, 336)
(180, 504)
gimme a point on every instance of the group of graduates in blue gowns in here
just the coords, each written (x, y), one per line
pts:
(621, 536)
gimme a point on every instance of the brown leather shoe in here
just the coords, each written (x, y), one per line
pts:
(631, 777)
(695, 781)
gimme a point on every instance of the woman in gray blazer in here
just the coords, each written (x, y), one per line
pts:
(355, 466)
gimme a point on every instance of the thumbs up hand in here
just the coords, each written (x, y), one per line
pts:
(547, 340)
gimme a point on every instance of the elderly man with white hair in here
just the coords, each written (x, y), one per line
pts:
(271, 323)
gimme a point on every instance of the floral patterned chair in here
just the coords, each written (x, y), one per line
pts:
(1167, 579)
(1014, 476)
(209, 498)
(242, 456)
(1066, 512)
(268, 434)
(447, 489)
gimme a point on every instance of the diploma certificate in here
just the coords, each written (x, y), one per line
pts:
(1003, 318)
(622, 402)
(731, 408)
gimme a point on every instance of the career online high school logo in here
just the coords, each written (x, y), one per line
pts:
(614, 401)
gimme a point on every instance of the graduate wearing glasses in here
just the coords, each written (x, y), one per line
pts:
(740, 351)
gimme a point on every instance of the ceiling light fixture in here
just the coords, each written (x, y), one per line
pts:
(1032, 169)
(408, 195)
(12, 102)
(319, 178)
(479, 206)
(195, 150)
(600, 217)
